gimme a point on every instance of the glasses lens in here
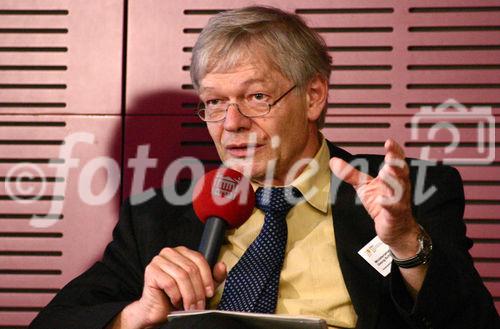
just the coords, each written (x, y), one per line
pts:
(212, 112)
(255, 108)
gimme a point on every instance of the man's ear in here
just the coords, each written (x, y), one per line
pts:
(316, 97)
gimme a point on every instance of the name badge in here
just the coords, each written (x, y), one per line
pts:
(377, 254)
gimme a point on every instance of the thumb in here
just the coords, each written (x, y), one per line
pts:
(220, 273)
(348, 173)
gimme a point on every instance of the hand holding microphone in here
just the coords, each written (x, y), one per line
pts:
(180, 278)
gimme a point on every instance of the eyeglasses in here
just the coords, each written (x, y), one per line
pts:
(255, 106)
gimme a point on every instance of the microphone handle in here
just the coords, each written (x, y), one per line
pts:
(212, 238)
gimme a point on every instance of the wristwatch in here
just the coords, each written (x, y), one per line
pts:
(423, 255)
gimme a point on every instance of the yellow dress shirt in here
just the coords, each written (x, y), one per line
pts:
(311, 281)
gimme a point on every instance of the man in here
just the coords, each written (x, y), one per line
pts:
(262, 76)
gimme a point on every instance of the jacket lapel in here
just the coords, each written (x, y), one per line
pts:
(353, 229)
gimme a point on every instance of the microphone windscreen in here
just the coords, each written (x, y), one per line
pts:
(224, 193)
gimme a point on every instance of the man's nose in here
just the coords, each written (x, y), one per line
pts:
(234, 120)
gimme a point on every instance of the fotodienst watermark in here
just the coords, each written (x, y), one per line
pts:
(450, 124)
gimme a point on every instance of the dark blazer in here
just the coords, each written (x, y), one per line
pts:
(452, 296)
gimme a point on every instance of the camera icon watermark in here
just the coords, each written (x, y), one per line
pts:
(473, 144)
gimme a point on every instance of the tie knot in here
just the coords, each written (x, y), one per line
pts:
(277, 199)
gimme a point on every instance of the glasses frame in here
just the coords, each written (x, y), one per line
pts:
(269, 106)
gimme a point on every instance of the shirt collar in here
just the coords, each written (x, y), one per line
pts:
(314, 181)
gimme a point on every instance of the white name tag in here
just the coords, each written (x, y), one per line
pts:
(377, 254)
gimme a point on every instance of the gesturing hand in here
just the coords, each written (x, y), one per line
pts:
(387, 198)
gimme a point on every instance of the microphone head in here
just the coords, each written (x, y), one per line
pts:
(224, 193)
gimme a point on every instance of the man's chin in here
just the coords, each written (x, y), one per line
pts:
(246, 167)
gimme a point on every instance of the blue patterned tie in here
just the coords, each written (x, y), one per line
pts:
(252, 284)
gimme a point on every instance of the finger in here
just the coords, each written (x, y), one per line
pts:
(391, 146)
(157, 278)
(205, 272)
(348, 173)
(397, 168)
(190, 270)
(220, 273)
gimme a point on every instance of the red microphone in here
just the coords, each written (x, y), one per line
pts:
(223, 198)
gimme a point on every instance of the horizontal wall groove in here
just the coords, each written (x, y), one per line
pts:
(360, 144)
(485, 240)
(47, 253)
(481, 221)
(374, 29)
(32, 197)
(20, 309)
(31, 160)
(29, 290)
(34, 30)
(30, 216)
(481, 164)
(211, 162)
(444, 144)
(193, 125)
(357, 125)
(191, 30)
(32, 86)
(33, 68)
(453, 47)
(455, 124)
(41, 235)
(34, 49)
(360, 48)
(455, 67)
(368, 10)
(481, 183)
(482, 202)
(361, 86)
(34, 12)
(33, 104)
(418, 105)
(197, 143)
(458, 28)
(359, 105)
(471, 9)
(32, 179)
(453, 86)
(362, 67)
(32, 124)
(203, 11)
(30, 142)
(486, 260)
(29, 272)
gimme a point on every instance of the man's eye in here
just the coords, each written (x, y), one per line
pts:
(212, 102)
(259, 97)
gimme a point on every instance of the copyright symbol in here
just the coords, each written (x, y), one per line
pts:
(19, 183)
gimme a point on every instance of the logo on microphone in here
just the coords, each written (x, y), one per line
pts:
(225, 186)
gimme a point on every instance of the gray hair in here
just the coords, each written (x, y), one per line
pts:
(289, 45)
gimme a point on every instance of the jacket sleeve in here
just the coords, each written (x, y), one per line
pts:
(93, 299)
(452, 295)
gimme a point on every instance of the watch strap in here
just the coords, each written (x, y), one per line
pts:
(423, 255)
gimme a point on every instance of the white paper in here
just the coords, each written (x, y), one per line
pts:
(377, 254)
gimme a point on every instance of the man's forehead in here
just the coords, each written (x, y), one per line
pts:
(241, 76)
(211, 84)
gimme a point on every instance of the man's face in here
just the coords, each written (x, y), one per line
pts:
(252, 145)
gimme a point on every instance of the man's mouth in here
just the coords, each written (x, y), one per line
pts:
(242, 150)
